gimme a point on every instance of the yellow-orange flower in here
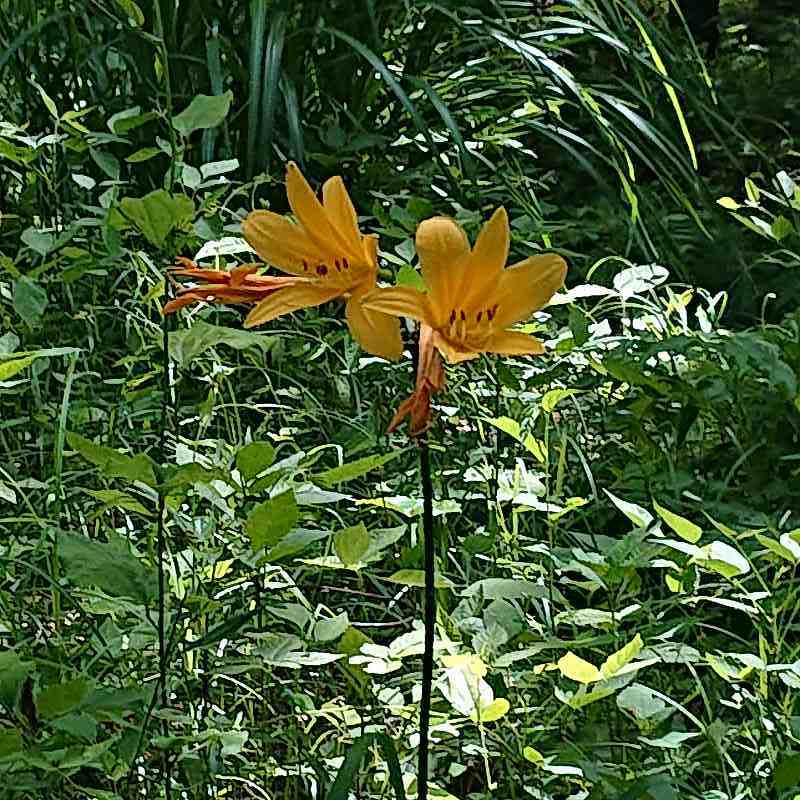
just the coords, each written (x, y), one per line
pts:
(471, 302)
(329, 258)
(471, 299)
(238, 285)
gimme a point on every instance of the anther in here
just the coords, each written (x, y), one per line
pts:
(480, 314)
(322, 270)
(490, 313)
(345, 263)
(338, 265)
(452, 316)
(305, 265)
(463, 316)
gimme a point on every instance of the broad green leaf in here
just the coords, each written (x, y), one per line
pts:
(111, 567)
(670, 741)
(787, 773)
(60, 698)
(729, 203)
(640, 701)
(616, 661)
(354, 469)
(157, 214)
(144, 154)
(8, 369)
(491, 713)
(132, 10)
(722, 558)
(781, 228)
(178, 477)
(271, 520)
(576, 669)
(254, 458)
(112, 463)
(505, 589)
(29, 301)
(777, 548)
(10, 742)
(416, 577)
(683, 527)
(185, 345)
(326, 630)
(533, 755)
(527, 440)
(351, 543)
(205, 111)
(112, 498)
(13, 671)
(639, 516)
(293, 543)
(408, 276)
(552, 398)
(41, 242)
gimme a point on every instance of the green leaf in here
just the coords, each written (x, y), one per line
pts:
(787, 773)
(576, 669)
(10, 368)
(416, 577)
(144, 154)
(40, 242)
(10, 742)
(133, 11)
(552, 398)
(271, 520)
(254, 458)
(112, 463)
(355, 469)
(408, 276)
(109, 566)
(13, 671)
(187, 344)
(157, 214)
(505, 589)
(112, 498)
(29, 301)
(351, 543)
(205, 111)
(781, 228)
(293, 543)
(60, 698)
(616, 661)
(683, 527)
(326, 630)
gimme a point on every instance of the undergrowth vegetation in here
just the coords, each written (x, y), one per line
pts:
(212, 550)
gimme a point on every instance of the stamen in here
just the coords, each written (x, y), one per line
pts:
(322, 270)
(305, 265)
(463, 316)
(345, 263)
(490, 312)
(480, 314)
(452, 316)
(338, 265)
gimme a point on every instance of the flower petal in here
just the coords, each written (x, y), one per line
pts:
(280, 242)
(340, 211)
(489, 256)
(292, 298)
(455, 352)
(399, 301)
(527, 286)
(442, 247)
(513, 343)
(313, 217)
(377, 333)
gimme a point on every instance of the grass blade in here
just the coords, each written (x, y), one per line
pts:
(258, 24)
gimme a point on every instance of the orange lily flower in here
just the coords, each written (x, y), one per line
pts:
(238, 285)
(329, 258)
(472, 300)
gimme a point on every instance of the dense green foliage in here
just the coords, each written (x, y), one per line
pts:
(618, 520)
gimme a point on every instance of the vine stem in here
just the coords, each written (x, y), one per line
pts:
(430, 616)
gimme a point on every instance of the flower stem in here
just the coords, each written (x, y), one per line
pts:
(430, 616)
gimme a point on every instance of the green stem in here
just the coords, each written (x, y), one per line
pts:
(430, 616)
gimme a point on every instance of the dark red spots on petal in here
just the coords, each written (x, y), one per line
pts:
(480, 314)
(345, 263)
(322, 270)
(338, 265)
(490, 312)
(305, 265)
(463, 316)
(452, 316)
